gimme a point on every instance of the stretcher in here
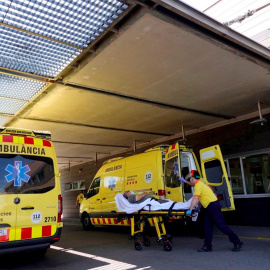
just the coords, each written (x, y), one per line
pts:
(157, 213)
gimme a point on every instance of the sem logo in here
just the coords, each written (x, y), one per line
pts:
(148, 177)
(17, 173)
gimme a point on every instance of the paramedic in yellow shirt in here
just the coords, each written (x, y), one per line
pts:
(213, 214)
(79, 199)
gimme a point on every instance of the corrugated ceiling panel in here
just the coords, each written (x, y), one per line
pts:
(75, 22)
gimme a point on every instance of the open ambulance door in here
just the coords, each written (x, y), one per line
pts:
(214, 171)
(173, 187)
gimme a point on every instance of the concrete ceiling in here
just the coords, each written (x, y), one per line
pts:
(162, 66)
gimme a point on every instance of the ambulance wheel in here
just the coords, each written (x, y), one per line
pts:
(138, 245)
(167, 246)
(87, 225)
(146, 241)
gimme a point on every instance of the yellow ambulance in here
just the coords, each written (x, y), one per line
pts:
(30, 192)
(157, 172)
(139, 173)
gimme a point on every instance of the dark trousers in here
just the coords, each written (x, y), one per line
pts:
(214, 216)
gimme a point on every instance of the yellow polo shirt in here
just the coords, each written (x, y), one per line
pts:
(205, 193)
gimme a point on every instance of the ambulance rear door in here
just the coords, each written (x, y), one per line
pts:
(214, 171)
(173, 187)
(37, 196)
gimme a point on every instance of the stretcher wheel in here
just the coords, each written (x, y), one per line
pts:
(146, 241)
(167, 246)
(138, 245)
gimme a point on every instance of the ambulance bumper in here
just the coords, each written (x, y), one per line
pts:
(29, 244)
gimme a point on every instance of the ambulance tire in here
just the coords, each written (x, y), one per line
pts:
(138, 245)
(167, 246)
(87, 225)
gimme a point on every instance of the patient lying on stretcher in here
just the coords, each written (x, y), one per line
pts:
(132, 198)
(131, 203)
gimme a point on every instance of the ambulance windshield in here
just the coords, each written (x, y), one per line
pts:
(23, 174)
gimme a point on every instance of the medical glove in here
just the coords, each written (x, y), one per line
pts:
(188, 213)
(182, 179)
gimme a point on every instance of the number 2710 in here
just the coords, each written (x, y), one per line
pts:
(50, 219)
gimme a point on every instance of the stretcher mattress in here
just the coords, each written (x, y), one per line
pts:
(148, 205)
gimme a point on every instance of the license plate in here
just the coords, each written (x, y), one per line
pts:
(3, 232)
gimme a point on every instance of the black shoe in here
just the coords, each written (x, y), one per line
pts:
(205, 249)
(238, 246)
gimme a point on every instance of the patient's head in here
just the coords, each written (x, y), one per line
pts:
(127, 194)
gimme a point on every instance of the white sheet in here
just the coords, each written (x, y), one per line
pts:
(123, 205)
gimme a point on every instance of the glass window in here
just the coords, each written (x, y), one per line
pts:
(213, 171)
(94, 188)
(185, 169)
(257, 173)
(21, 174)
(172, 173)
(236, 176)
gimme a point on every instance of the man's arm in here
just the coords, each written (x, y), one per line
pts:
(141, 196)
(194, 201)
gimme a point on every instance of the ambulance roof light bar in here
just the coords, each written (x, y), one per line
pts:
(26, 132)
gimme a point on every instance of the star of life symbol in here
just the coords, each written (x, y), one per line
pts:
(17, 173)
(176, 168)
(111, 183)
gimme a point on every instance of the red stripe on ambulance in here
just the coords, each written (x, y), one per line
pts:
(46, 143)
(28, 140)
(7, 138)
(26, 233)
(46, 230)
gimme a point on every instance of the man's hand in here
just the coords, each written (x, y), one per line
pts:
(182, 179)
(189, 212)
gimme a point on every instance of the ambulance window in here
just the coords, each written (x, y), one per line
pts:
(94, 188)
(26, 174)
(213, 171)
(172, 173)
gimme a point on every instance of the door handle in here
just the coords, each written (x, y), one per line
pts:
(103, 198)
(98, 199)
(168, 192)
(28, 208)
(4, 225)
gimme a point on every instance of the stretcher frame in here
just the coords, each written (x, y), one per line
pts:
(137, 220)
